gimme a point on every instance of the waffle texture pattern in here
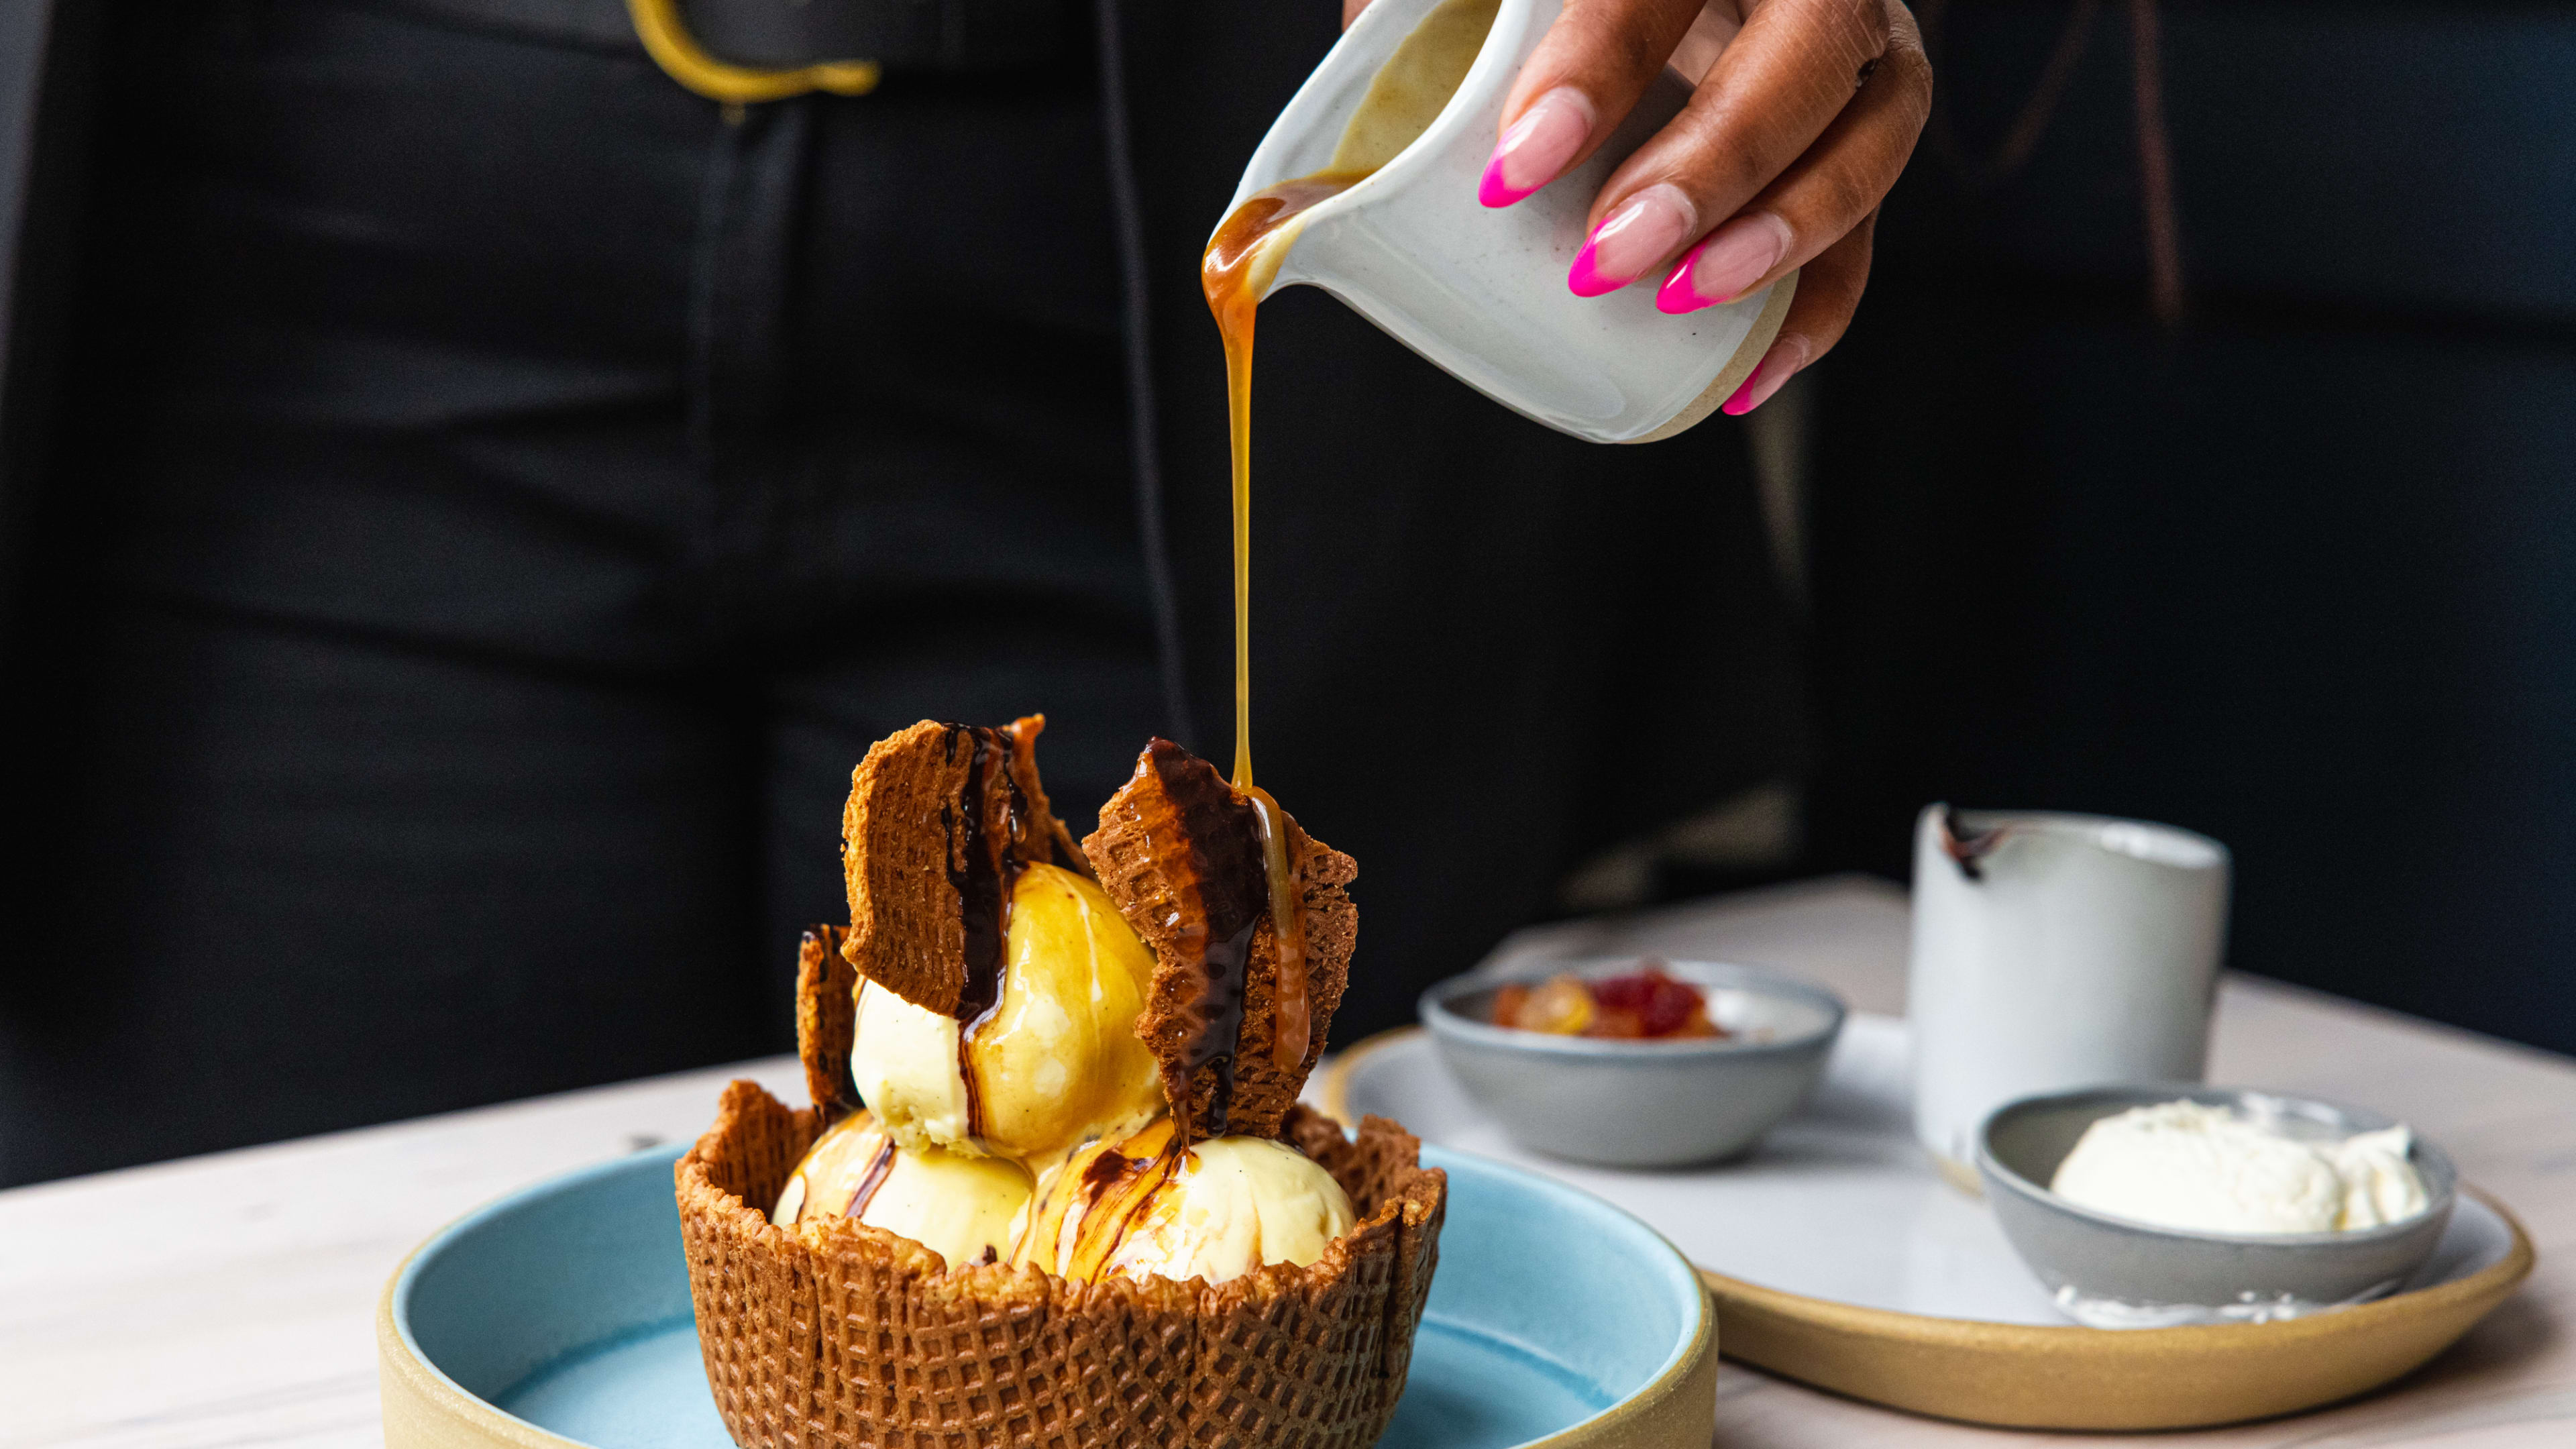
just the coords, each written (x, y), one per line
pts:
(835, 1335)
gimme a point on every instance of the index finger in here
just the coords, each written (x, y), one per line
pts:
(1793, 68)
(1585, 76)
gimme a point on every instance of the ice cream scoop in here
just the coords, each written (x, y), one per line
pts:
(1055, 1063)
(2187, 1165)
(1142, 1206)
(962, 1208)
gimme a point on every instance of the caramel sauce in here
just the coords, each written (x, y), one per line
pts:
(1411, 89)
(1291, 1020)
(1235, 271)
(1116, 1188)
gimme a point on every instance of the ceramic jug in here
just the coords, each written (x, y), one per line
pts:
(2053, 951)
(1481, 291)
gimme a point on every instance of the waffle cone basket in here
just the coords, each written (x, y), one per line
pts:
(834, 1335)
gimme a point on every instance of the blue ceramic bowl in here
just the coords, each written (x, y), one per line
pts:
(1640, 1103)
(561, 1314)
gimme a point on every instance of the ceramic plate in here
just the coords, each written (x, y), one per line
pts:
(1837, 1257)
(560, 1315)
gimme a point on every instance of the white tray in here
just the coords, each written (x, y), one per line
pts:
(1838, 1257)
(1838, 1203)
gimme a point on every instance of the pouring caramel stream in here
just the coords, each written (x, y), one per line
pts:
(1234, 273)
(1408, 93)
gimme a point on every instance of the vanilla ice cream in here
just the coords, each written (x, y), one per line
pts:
(1137, 1207)
(962, 1208)
(1058, 1061)
(2185, 1165)
(1231, 1205)
(1054, 1081)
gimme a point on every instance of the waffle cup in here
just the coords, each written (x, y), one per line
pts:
(835, 1335)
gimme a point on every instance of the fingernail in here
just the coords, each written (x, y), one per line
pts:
(1788, 353)
(1537, 146)
(1723, 267)
(1636, 236)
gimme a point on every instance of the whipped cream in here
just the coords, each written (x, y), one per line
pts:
(2185, 1165)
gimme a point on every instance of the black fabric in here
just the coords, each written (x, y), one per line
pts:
(505, 501)
(50, 59)
(934, 35)
(955, 35)
(502, 498)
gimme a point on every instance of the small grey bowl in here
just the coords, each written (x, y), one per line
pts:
(2110, 1272)
(1640, 1103)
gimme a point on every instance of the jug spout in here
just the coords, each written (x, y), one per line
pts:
(1404, 111)
(1968, 845)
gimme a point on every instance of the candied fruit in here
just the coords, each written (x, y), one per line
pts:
(1561, 1007)
(1635, 1006)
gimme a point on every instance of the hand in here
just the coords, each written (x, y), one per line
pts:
(1778, 162)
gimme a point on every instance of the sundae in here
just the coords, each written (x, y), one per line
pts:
(1055, 1185)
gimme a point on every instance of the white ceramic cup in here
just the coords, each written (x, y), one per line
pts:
(1481, 291)
(2054, 951)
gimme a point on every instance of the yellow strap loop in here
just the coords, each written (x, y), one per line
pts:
(677, 52)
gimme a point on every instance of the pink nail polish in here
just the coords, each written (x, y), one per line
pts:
(1676, 296)
(1496, 189)
(1643, 231)
(1743, 401)
(1584, 279)
(1536, 147)
(1778, 365)
(1726, 264)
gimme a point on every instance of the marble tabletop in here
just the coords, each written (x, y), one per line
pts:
(228, 1300)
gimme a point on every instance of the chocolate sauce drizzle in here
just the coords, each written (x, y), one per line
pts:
(984, 866)
(1221, 896)
(879, 1168)
(1116, 1192)
(983, 870)
(826, 940)
(1104, 1170)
